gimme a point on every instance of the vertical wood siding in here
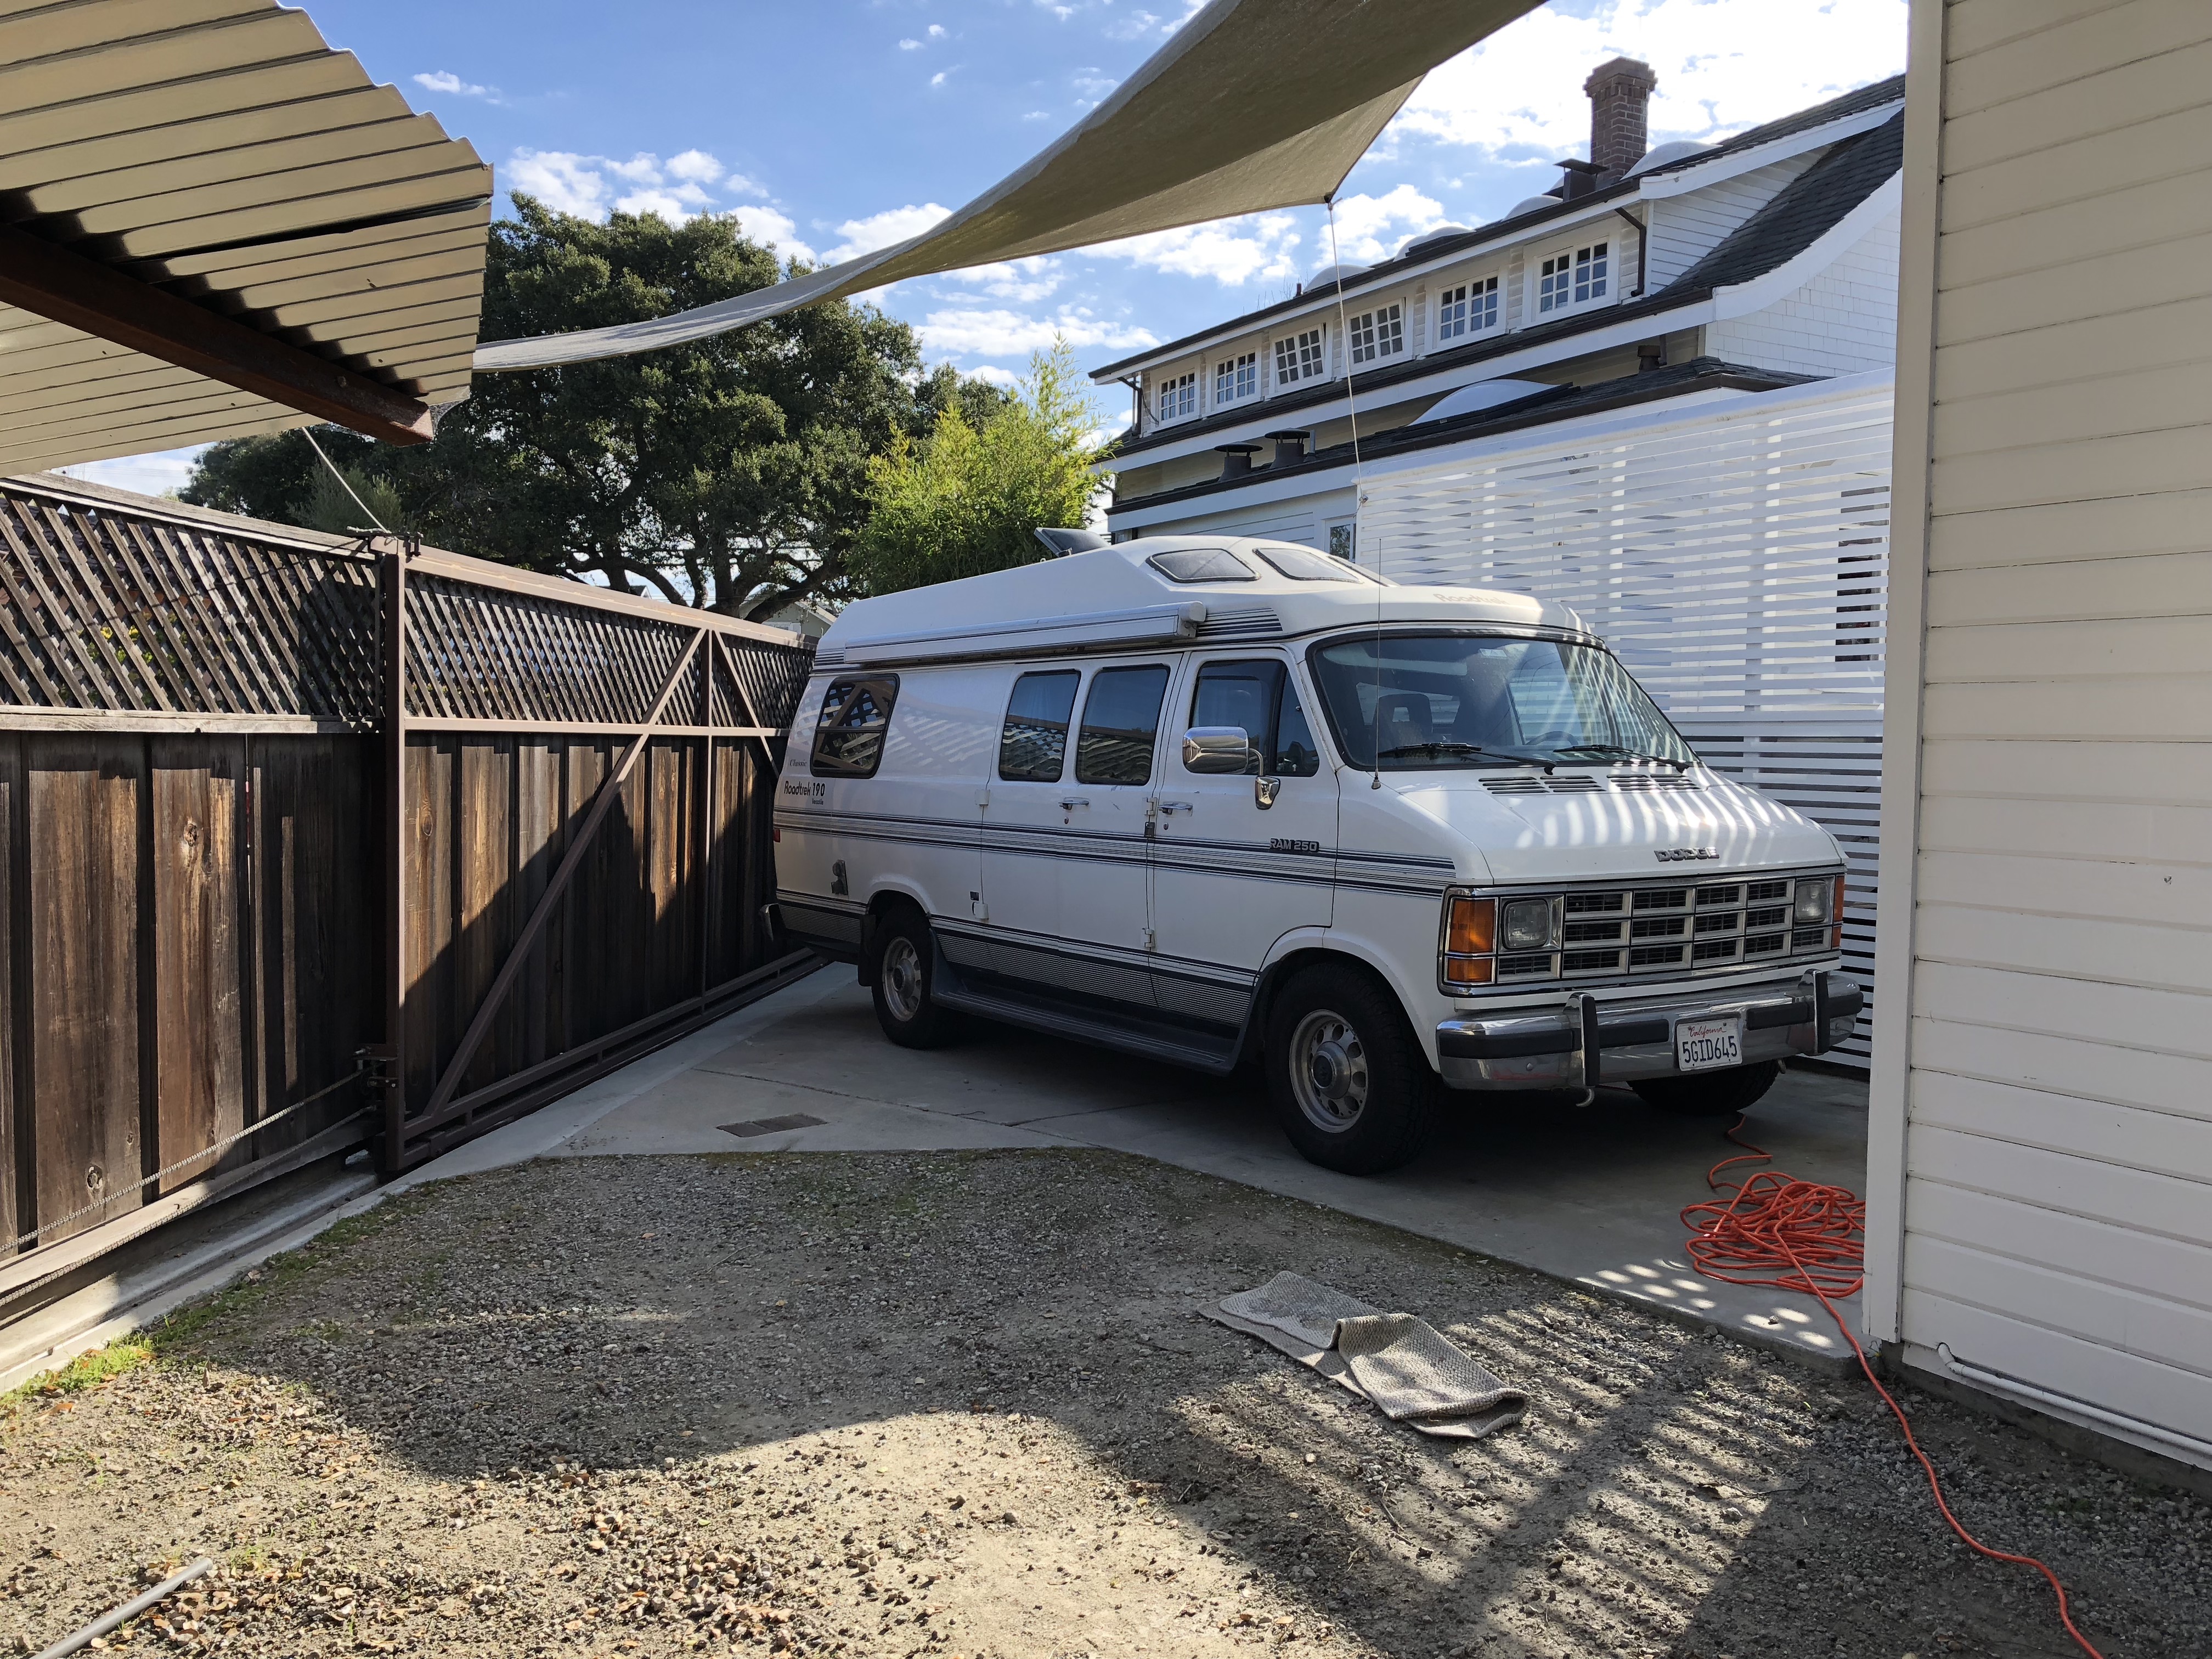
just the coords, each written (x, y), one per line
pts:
(2057, 1197)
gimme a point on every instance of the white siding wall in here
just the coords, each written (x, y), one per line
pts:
(2042, 1178)
(1687, 228)
(1735, 558)
(1842, 322)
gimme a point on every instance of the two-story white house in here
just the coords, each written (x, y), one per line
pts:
(1661, 393)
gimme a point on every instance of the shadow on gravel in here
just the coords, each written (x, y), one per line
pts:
(964, 1404)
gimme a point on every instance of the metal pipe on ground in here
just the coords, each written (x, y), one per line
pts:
(129, 1610)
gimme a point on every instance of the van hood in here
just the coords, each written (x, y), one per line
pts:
(1585, 823)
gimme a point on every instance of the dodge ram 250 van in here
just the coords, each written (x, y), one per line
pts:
(1219, 801)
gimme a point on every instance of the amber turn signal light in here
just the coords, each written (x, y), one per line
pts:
(1470, 931)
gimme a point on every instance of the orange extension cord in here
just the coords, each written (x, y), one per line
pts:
(1792, 1235)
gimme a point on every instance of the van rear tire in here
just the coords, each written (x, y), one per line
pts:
(1349, 1083)
(904, 985)
(1709, 1094)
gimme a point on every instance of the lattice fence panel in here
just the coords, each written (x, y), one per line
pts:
(1737, 559)
(774, 677)
(485, 654)
(103, 608)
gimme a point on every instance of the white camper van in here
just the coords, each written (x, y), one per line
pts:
(1222, 802)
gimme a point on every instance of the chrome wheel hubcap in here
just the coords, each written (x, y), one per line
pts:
(901, 979)
(1328, 1070)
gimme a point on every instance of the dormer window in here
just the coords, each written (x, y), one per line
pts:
(1378, 333)
(1178, 399)
(1298, 357)
(1573, 277)
(1466, 308)
(1236, 379)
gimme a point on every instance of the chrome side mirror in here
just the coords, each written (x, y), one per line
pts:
(1216, 749)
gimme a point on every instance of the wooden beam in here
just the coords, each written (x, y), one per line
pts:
(53, 281)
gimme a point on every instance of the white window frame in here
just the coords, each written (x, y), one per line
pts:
(1574, 277)
(1483, 302)
(1378, 333)
(1177, 399)
(1236, 366)
(1308, 349)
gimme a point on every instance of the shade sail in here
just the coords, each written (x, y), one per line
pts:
(1253, 104)
(212, 224)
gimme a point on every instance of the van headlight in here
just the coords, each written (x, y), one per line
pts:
(1525, 925)
(1815, 900)
(1470, 937)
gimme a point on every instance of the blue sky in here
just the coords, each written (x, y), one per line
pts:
(833, 127)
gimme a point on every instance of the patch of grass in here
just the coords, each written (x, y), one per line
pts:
(86, 1371)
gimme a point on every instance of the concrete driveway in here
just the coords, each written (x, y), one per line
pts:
(1592, 1195)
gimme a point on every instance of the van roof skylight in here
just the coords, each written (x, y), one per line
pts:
(1202, 564)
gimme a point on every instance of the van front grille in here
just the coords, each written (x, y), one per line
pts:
(1671, 927)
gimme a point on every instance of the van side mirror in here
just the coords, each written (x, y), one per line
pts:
(1224, 749)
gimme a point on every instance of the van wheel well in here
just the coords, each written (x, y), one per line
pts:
(1281, 973)
(881, 909)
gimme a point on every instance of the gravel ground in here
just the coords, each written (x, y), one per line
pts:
(966, 1405)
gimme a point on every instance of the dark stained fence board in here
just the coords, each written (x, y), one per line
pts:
(84, 915)
(14, 1130)
(201, 960)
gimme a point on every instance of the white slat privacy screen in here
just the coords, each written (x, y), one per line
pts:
(1735, 554)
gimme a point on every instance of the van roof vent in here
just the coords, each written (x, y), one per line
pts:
(1239, 622)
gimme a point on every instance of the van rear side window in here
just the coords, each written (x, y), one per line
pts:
(1033, 744)
(1121, 724)
(848, 740)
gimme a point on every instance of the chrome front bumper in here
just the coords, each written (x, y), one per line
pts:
(1585, 1044)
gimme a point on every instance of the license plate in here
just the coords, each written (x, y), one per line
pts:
(1706, 1045)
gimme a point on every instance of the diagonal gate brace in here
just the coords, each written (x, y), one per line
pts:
(509, 970)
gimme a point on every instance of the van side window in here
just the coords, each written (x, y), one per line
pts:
(848, 740)
(1121, 724)
(1033, 743)
(1259, 697)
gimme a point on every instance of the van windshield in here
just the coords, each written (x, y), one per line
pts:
(1421, 703)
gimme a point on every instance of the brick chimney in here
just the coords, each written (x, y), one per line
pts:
(1621, 95)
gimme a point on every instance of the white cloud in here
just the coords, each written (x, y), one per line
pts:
(1142, 25)
(1370, 228)
(938, 79)
(992, 374)
(1091, 85)
(696, 166)
(937, 31)
(451, 86)
(909, 46)
(1036, 115)
(590, 186)
(1022, 281)
(765, 224)
(1013, 334)
(149, 474)
(1233, 252)
(881, 230)
(1723, 65)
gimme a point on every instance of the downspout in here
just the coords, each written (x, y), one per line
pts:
(1643, 245)
(1136, 385)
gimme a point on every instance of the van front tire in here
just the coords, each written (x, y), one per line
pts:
(904, 985)
(1349, 1083)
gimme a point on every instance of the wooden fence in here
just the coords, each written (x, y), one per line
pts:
(306, 842)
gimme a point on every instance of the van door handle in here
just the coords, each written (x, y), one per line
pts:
(1069, 802)
(1174, 806)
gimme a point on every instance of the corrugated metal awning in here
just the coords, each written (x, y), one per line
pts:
(215, 225)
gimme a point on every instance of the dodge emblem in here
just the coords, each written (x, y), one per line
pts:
(1685, 854)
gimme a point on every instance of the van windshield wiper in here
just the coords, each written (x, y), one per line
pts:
(1614, 748)
(1505, 757)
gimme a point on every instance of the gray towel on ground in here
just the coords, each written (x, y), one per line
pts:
(1407, 1368)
